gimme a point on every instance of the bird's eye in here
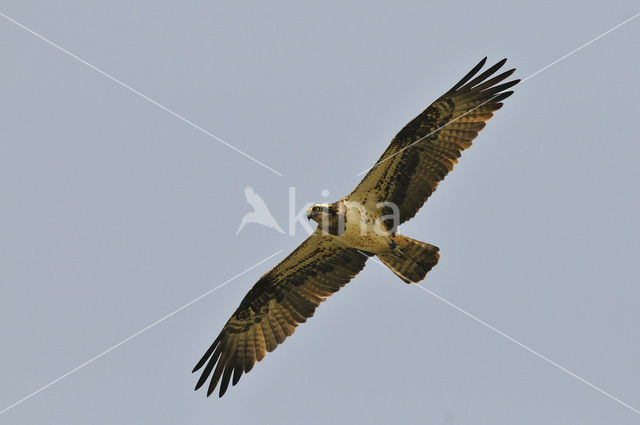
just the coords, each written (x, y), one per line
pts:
(316, 208)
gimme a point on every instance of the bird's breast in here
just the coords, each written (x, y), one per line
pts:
(363, 232)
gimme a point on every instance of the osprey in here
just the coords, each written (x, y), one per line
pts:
(360, 225)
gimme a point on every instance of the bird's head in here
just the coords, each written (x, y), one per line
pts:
(319, 213)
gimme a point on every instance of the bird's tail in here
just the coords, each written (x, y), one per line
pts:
(411, 260)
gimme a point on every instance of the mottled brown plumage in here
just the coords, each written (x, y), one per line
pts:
(408, 172)
(283, 298)
(427, 148)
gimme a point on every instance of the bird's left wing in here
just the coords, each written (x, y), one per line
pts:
(427, 148)
(283, 298)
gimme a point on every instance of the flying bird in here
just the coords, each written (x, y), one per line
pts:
(361, 225)
(260, 213)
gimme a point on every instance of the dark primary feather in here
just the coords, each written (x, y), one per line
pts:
(427, 148)
(283, 298)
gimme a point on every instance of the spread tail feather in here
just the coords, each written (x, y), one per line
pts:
(411, 260)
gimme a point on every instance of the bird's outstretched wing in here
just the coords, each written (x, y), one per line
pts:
(427, 148)
(283, 298)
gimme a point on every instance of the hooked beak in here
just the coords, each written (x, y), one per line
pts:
(311, 214)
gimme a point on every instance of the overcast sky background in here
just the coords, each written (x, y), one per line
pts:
(115, 213)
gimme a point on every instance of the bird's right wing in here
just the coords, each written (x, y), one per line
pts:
(282, 298)
(427, 148)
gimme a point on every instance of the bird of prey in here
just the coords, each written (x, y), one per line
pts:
(260, 213)
(361, 225)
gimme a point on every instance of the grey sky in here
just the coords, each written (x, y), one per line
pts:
(115, 213)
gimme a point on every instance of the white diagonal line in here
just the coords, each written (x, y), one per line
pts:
(581, 47)
(532, 351)
(91, 360)
(164, 108)
(522, 81)
(515, 341)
